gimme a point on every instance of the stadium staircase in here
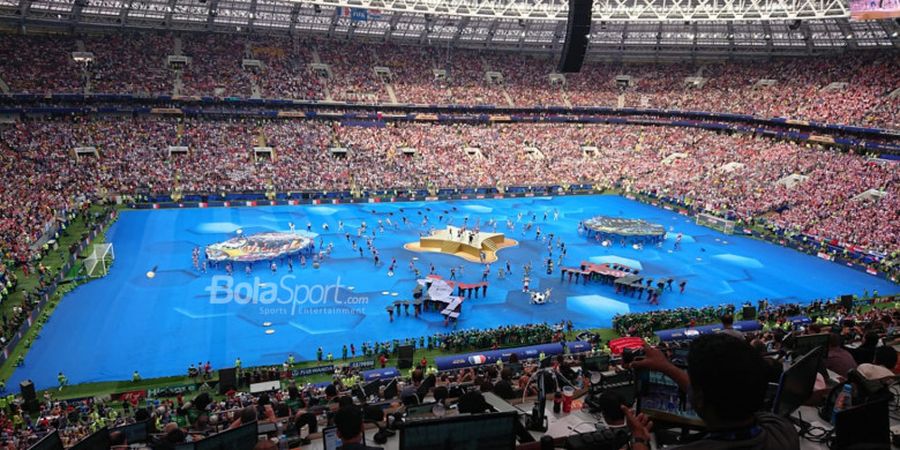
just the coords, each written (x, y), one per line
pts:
(324, 83)
(4, 88)
(255, 91)
(86, 78)
(390, 92)
(261, 138)
(509, 100)
(177, 84)
(177, 81)
(85, 71)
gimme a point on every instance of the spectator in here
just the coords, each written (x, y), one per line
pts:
(728, 327)
(350, 429)
(839, 360)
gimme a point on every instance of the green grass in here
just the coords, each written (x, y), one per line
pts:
(111, 387)
(53, 260)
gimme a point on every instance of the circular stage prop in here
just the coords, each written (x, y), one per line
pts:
(632, 231)
(259, 247)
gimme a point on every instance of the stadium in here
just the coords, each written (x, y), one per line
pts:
(410, 224)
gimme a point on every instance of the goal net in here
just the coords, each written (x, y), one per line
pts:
(717, 223)
(99, 260)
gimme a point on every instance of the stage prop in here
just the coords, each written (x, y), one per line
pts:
(435, 294)
(260, 247)
(615, 229)
(467, 244)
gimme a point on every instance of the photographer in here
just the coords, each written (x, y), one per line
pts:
(726, 384)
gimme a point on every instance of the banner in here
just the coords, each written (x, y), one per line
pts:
(360, 14)
(309, 371)
(690, 333)
(490, 356)
(380, 374)
(171, 391)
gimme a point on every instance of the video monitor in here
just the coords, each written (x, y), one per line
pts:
(660, 398)
(494, 431)
(49, 442)
(99, 440)
(241, 438)
(134, 433)
(797, 382)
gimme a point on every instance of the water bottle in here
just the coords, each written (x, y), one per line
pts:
(843, 401)
(282, 439)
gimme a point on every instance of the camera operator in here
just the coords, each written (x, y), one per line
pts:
(726, 384)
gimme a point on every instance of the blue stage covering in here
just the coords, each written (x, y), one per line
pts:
(109, 327)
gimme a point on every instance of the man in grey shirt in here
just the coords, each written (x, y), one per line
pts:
(726, 382)
(728, 327)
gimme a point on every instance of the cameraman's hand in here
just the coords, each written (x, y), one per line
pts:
(654, 359)
(640, 425)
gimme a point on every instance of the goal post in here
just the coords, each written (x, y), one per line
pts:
(717, 223)
(97, 264)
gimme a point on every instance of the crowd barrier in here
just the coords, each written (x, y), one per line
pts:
(472, 359)
(678, 334)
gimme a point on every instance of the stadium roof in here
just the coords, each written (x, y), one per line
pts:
(624, 27)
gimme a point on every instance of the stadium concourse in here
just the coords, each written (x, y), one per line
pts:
(797, 151)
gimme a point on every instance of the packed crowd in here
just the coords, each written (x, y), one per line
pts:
(859, 341)
(137, 63)
(643, 324)
(728, 175)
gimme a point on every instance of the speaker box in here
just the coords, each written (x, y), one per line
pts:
(29, 395)
(847, 301)
(749, 313)
(405, 356)
(227, 380)
(577, 29)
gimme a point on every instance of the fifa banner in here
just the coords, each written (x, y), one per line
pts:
(677, 334)
(380, 374)
(490, 357)
(360, 14)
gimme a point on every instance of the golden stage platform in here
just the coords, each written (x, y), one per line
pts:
(467, 244)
